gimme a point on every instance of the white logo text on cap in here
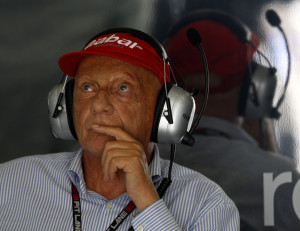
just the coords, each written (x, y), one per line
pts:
(112, 39)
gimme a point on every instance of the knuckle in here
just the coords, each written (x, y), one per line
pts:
(138, 147)
(113, 161)
(110, 152)
(119, 130)
(135, 159)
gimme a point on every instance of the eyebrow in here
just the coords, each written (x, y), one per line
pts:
(126, 75)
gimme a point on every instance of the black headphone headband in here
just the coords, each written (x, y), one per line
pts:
(236, 26)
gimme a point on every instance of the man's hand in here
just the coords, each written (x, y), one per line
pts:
(126, 156)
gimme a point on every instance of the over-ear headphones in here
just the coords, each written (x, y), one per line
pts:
(173, 115)
(259, 85)
(60, 105)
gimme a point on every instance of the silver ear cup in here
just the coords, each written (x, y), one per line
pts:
(60, 125)
(183, 110)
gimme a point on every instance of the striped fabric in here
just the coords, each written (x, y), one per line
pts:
(35, 194)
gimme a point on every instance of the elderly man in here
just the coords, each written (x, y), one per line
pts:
(118, 77)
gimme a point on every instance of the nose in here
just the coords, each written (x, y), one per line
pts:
(101, 103)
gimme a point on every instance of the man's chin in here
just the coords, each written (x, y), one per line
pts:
(95, 144)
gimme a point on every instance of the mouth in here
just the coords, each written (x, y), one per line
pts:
(100, 136)
(93, 130)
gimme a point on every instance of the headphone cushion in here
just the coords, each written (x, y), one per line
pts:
(160, 102)
(244, 95)
(69, 105)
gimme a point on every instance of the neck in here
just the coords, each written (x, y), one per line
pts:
(94, 178)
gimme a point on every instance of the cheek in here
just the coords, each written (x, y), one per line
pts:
(148, 114)
(133, 118)
(79, 114)
(142, 119)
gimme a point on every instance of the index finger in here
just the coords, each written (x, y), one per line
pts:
(116, 132)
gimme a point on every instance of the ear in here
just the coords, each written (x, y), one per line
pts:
(160, 103)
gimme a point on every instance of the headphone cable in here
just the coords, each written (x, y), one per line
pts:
(274, 20)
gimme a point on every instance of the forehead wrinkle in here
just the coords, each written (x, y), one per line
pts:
(125, 75)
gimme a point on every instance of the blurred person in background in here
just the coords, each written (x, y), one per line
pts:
(230, 148)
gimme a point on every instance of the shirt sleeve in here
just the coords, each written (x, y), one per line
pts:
(155, 217)
(223, 216)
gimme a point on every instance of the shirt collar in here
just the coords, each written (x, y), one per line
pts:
(75, 171)
(155, 165)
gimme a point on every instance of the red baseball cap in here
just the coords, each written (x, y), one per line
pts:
(120, 45)
(226, 54)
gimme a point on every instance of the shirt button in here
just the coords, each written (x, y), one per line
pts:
(140, 228)
(108, 205)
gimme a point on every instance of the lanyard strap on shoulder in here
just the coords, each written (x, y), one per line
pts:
(76, 209)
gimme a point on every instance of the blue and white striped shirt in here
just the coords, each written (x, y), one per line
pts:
(36, 194)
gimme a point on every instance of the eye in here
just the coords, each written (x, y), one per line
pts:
(87, 87)
(124, 87)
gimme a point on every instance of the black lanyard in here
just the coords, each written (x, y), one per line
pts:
(76, 209)
(77, 213)
(120, 218)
